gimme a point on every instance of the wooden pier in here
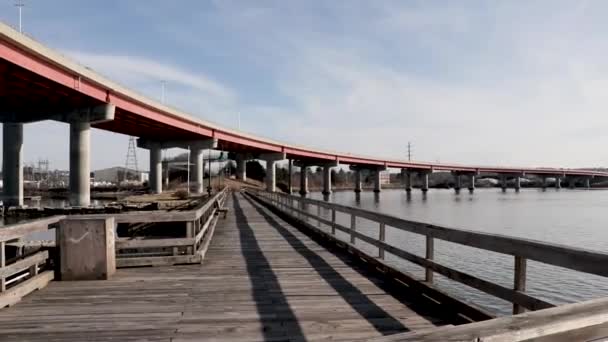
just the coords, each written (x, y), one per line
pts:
(268, 275)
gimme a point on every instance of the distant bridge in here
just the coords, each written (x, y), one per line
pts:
(40, 84)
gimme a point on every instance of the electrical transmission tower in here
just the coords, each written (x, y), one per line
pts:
(131, 162)
(409, 151)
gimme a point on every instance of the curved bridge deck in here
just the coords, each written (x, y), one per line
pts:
(262, 280)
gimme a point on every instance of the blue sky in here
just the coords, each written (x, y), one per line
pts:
(501, 82)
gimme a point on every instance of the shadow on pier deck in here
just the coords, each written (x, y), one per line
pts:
(262, 280)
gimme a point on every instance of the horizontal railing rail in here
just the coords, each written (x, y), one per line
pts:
(577, 259)
(585, 321)
(198, 223)
(22, 273)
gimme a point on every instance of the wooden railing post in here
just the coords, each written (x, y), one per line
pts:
(318, 216)
(2, 264)
(333, 221)
(430, 252)
(381, 237)
(519, 281)
(353, 227)
(190, 234)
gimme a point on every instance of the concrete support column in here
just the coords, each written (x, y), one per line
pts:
(303, 180)
(377, 183)
(572, 182)
(156, 170)
(166, 176)
(407, 179)
(241, 168)
(290, 176)
(326, 180)
(503, 183)
(199, 170)
(457, 183)
(558, 182)
(357, 181)
(424, 179)
(80, 164)
(517, 183)
(543, 182)
(587, 183)
(472, 183)
(12, 164)
(271, 176)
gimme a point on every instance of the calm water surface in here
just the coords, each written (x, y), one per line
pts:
(571, 217)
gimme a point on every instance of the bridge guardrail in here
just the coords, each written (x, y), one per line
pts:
(577, 259)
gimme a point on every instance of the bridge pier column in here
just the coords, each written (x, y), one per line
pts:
(471, 183)
(303, 180)
(80, 164)
(558, 182)
(357, 181)
(12, 164)
(156, 169)
(326, 180)
(543, 182)
(199, 169)
(517, 183)
(407, 180)
(457, 183)
(271, 159)
(572, 182)
(271, 175)
(424, 178)
(377, 181)
(166, 177)
(587, 182)
(241, 168)
(503, 183)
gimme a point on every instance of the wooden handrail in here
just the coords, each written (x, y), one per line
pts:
(590, 317)
(21, 275)
(577, 259)
(168, 251)
(18, 230)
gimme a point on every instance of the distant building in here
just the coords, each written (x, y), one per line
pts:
(116, 175)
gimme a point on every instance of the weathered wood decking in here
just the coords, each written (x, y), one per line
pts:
(262, 280)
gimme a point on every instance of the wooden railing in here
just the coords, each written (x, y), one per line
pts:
(521, 249)
(22, 273)
(585, 321)
(198, 226)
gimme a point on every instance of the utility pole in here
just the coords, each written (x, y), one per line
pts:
(19, 4)
(409, 151)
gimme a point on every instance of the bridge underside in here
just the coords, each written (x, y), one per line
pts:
(262, 280)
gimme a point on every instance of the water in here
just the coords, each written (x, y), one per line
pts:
(571, 217)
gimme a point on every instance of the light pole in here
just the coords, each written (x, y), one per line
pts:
(20, 6)
(188, 168)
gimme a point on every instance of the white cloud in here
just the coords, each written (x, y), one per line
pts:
(134, 69)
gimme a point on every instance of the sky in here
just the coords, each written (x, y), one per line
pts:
(513, 83)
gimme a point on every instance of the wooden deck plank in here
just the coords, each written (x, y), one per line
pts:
(262, 280)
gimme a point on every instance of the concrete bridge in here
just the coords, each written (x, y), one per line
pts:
(39, 84)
